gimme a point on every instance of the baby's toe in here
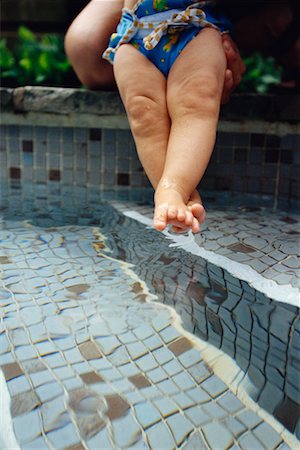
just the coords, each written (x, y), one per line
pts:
(195, 226)
(160, 217)
(189, 218)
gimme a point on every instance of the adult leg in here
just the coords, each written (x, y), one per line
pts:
(88, 37)
(194, 89)
(143, 91)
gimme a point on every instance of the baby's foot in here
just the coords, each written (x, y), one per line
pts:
(170, 208)
(196, 207)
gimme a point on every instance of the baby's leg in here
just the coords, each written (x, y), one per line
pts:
(194, 89)
(143, 91)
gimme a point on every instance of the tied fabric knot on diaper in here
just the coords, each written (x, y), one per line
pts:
(193, 15)
(151, 28)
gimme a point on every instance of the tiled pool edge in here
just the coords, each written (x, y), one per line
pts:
(257, 150)
(283, 293)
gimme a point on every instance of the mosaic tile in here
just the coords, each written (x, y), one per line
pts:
(27, 426)
(250, 441)
(38, 444)
(195, 441)
(146, 414)
(90, 350)
(160, 436)
(101, 440)
(59, 437)
(189, 358)
(126, 431)
(166, 406)
(48, 391)
(182, 400)
(18, 385)
(217, 436)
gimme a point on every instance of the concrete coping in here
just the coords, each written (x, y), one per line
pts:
(65, 101)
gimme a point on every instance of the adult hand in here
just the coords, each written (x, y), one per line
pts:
(235, 67)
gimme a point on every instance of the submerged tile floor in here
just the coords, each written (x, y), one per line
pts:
(93, 360)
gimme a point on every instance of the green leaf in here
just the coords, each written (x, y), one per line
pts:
(26, 35)
(6, 57)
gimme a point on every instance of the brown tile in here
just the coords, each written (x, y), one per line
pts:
(288, 413)
(91, 378)
(15, 173)
(215, 322)
(123, 179)
(89, 350)
(78, 446)
(139, 381)
(54, 175)
(27, 146)
(95, 134)
(23, 403)
(136, 288)
(117, 406)
(180, 346)
(197, 292)
(289, 220)
(218, 292)
(78, 288)
(242, 248)
(4, 260)
(11, 370)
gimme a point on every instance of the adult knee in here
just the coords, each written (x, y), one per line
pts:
(84, 54)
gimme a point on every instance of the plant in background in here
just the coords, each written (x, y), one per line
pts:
(35, 60)
(261, 74)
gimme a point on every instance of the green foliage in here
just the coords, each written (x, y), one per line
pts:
(261, 73)
(36, 61)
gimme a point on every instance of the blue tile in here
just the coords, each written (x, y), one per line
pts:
(214, 386)
(184, 381)
(197, 416)
(169, 334)
(190, 357)
(214, 410)
(153, 342)
(126, 431)
(198, 395)
(249, 441)
(67, 434)
(218, 437)
(230, 402)
(146, 414)
(146, 363)
(160, 437)
(101, 440)
(173, 367)
(266, 434)
(167, 387)
(157, 375)
(166, 406)
(183, 400)
(180, 427)
(27, 427)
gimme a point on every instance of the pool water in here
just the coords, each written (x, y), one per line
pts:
(100, 325)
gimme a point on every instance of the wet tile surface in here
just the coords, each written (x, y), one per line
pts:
(92, 353)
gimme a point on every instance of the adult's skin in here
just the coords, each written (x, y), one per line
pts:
(88, 37)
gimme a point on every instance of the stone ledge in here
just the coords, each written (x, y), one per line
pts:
(66, 101)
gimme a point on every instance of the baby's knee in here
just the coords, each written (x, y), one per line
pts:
(199, 95)
(143, 113)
